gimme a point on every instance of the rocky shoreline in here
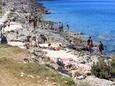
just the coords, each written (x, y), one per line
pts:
(18, 31)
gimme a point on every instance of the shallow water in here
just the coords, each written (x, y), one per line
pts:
(92, 17)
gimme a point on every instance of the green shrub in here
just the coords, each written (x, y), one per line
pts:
(101, 69)
(112, 63)
(10, 14)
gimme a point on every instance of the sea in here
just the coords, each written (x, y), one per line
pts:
(94, 18)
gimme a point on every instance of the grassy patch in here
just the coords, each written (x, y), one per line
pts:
(7, 51)
(0, 7)
(34, 74)
(34, 70)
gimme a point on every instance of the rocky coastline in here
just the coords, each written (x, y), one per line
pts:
(36, 35)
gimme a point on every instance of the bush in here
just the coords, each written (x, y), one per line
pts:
(112, 63)
(101, 69)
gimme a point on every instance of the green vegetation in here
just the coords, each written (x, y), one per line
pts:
(33, 74)
(102, 69)
(112, 63)
(0, 7)
(10, 14)
(11, 52)
(34, 70)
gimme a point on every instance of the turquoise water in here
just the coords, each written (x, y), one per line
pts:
(92, 17)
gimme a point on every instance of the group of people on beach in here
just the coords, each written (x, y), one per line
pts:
(32, 20)
(100, 46)
(58, 26)
(90, 45)
(61, 27)
(38, 22)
